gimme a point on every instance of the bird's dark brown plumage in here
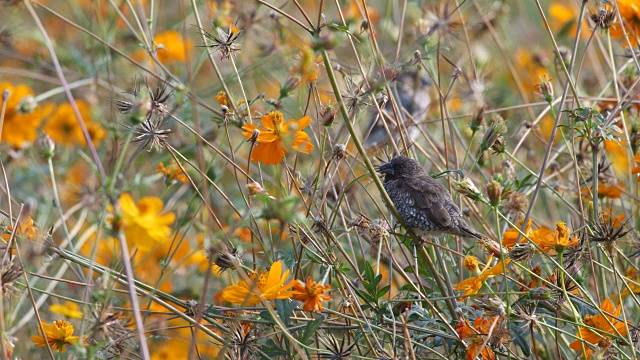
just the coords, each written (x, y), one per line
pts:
(424, 204)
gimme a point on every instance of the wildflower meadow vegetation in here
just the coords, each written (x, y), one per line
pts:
(198, 179)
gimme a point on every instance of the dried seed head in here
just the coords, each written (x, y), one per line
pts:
(254, 137)
(339, 151)
(494, 132)
(223, 256)
(521, 252)
(364, 25)
(10, 272)
(518, 203)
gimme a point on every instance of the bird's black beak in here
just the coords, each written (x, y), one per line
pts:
(386, 168)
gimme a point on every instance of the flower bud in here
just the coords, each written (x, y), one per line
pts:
(27, 104)
(545, 88)
(46, 146)
(467, 188)
(494, 191)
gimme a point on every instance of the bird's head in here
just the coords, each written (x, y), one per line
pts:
(399, 167)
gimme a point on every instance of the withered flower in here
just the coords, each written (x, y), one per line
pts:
(9, 273)
(224, 42)
(495, 132)
(223, 256)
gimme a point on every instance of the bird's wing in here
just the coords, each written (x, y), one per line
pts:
(429, 196)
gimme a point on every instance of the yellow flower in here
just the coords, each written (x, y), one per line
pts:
(270, 149)
(63, 126)
(22, 115)
(68, 309)
(556, 240)
(143, 224)
(172, 172)
(271, 285)
(311, 294)
(58, 335)
(600, 323)
(170, 47)
(474, 283)
(470, 263)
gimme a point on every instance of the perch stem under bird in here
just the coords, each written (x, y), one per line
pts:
(424, 204)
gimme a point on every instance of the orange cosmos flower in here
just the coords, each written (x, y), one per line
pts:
(311, 294)
(270, 285)
(143, 224)
(22, 115)
(58, 335)
(604, 330)
(553, 241)
(172, 172)
(511, 235)
(275, 134)
(63, 126)
(476, 333)
(473, 284)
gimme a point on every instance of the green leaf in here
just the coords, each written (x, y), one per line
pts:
(519, 336)
(310, 330)
(285, 308)
(383, 291)
(272, 349)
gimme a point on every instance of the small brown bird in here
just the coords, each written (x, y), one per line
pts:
(424, 204)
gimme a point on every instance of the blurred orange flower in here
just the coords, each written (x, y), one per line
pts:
(58, 335)
(311, 294)
(274, 136)
(68, 309)
(612, 191)
(636, 170)
(223, 98)
(630, 12)
(605, 331)
(22, 115)
(169, 46)
(143, 224)
(563, 19)
(271, 285)
(25, 229)
(63, 127)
